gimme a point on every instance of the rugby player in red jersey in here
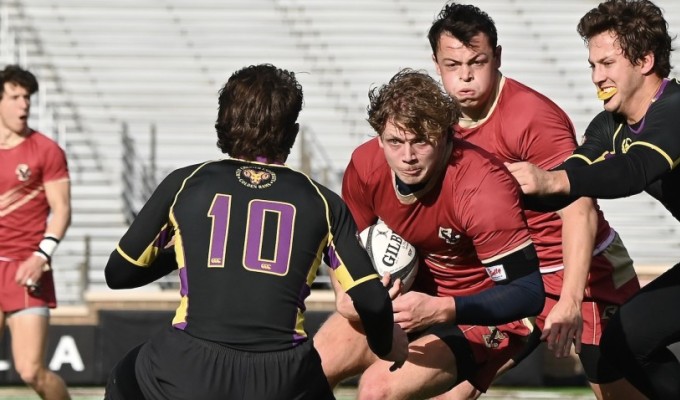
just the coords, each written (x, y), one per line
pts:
(478, 277)
(586, 269)
(34, 184)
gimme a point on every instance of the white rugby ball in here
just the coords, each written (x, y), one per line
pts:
(389, 252)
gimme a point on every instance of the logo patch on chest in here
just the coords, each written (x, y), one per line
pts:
(23, 172)
(449, 236)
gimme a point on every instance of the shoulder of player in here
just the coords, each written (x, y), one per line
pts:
(42, 140)
(671, 95)
(526, 100)
(471, 164)
(368, 157)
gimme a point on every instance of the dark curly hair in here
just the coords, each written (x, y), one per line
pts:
(258, 109)
(18, 76)
(462, 21)
(415, 102)
(639, 26)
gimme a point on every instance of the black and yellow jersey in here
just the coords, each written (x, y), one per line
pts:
(248, 240)
(642, 156)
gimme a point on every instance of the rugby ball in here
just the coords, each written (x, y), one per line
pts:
(389, 252)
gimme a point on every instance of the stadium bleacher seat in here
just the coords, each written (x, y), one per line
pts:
(102, 64)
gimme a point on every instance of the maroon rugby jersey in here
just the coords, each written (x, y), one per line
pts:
(24, 169)
(524, 125)
(472, 216)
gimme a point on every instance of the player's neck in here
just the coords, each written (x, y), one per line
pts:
(10, 139)
(649, 93)
(473, 117)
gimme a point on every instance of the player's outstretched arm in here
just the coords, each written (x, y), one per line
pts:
(564, 323)
(122, 274)
(534, 180)
(374, 306)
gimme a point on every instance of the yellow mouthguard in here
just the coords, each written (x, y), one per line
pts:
(606, 93)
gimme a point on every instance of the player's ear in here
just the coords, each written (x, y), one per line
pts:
(497, 55)
(436, 65)
(646, 63)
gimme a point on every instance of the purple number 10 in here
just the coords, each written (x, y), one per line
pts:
(260, 213)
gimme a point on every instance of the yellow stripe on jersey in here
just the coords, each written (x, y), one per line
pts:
(616, 133)
(181, 311)
(582, 157)
(658, 150)
(148, 255)
(346, 280)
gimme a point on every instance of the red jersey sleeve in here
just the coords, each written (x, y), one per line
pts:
(354, 193)
(55, 166)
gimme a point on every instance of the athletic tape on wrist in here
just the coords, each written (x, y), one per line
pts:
(45, 250)
(48, 245)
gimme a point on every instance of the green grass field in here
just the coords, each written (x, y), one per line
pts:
(343, 393)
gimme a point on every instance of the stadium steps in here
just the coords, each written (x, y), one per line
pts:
(105, 63)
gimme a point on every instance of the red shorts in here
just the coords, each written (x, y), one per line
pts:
(14, 297)
(612, 280)
(492, 347)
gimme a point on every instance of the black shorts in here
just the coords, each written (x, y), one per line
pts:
(175, 365)
(122, 381)
(595, 367)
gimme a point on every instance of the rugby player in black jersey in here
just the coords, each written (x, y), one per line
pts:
(248, 235)
(631, 146)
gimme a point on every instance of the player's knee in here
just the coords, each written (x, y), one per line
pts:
(375, 388)
(30, 374)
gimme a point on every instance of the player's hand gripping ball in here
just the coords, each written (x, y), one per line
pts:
(389, 252)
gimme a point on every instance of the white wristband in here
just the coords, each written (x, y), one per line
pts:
(48, 245)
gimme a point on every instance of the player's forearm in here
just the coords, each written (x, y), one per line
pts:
(374, 306)
(59, 199)
(445, 309)
(579, 227)
(59, 221)
(523, 297)
(558, 182)
(343, 302)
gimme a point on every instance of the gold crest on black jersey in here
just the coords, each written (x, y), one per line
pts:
(255, 177)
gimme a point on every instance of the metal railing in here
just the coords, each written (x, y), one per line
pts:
(138, 174)
(315, 161)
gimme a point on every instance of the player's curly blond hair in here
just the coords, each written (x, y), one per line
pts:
(415, 102)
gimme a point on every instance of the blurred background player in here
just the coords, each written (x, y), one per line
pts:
(34, 184)
(631, 146)
(460, 208)
(586, 269)
(248, 235)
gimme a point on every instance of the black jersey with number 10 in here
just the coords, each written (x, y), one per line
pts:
(248, 239)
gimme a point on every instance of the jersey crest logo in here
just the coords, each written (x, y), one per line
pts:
(625, 145)
(23, 172)
(449, 236)
(494, 338)
(255, 177)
